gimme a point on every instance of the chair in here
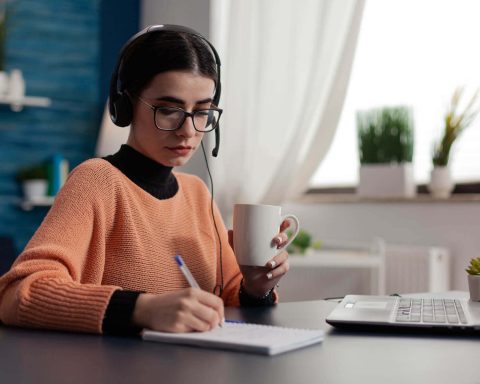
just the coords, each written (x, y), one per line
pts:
(8, 254)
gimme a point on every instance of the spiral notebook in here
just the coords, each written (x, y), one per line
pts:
(246, 337)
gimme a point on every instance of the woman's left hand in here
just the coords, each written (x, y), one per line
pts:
(258, 281)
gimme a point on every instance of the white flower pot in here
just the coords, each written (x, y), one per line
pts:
(441, 184)
(386, 180)
(3, 82)
(16, 86)
(474, 287)
(35, 189)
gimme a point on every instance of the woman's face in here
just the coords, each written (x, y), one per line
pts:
(180, 89)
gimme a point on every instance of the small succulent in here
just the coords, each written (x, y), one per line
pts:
(302, 242)
(474, 267)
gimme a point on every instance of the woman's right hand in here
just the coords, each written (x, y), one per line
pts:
(186, 310)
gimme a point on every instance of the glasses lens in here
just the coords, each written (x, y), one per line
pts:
(168, 119)
(206, 120)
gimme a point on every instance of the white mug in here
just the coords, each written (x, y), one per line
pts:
(254, 227)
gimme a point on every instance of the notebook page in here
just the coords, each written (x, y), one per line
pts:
(244, 337)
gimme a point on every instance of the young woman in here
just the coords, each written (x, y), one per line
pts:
(102, 261)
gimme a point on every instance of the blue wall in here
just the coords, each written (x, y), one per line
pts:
(58, 46)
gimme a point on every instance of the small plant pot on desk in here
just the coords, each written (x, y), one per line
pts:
(474, 287)
(473, 271)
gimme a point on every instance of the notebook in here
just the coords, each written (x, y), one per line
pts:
(246, 337)
(438, 313)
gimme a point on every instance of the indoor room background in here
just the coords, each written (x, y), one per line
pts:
(66, 50)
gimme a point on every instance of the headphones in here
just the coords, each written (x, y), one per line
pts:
(119, 103)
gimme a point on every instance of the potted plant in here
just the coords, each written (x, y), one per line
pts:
(34, 180)
(302, 243)
(385, 138)
(473, 271)
(455, 122)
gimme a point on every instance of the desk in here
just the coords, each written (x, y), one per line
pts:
(28, 356)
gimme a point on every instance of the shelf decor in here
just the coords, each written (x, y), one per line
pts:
(41, 182)
(455, 122)
(12, 84)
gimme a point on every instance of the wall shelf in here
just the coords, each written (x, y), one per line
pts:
(45, 201)
(352, 198)
(17, 104)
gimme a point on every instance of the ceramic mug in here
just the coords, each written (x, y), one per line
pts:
(254, 227)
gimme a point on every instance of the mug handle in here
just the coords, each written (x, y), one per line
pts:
(294, 219)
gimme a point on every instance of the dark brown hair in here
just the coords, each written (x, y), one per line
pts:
(163, 51)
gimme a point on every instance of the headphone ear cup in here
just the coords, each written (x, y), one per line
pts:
(121, 111)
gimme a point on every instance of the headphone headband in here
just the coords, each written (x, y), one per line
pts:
(119, 103)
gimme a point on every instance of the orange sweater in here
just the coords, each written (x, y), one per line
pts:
(105, 233)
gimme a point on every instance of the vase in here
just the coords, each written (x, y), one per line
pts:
(441, 184)
(3, 83)
(386, 181)
(474, 287)
(35, 189)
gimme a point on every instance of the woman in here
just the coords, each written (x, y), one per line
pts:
(103, 259)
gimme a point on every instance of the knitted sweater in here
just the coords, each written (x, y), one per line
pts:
(105, 233)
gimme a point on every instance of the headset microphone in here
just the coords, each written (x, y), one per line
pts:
(217, 143)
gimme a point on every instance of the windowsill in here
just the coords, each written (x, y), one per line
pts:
(337, 198)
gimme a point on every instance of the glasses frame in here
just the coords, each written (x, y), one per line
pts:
(185, 115)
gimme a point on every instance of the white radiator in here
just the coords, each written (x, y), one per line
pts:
(411, 269)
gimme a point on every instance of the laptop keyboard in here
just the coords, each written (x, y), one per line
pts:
(448, 311)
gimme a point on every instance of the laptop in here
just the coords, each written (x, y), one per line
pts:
(414, 313)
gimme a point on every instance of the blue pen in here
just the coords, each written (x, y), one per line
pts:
(186, 272)
(188, 275)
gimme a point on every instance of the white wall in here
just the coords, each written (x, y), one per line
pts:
(195, 15)
(455, 225)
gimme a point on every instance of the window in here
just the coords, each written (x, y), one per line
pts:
(412, 53)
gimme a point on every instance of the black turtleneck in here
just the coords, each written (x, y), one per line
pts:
(152, 177)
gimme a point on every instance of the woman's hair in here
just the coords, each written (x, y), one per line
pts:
(163, 51)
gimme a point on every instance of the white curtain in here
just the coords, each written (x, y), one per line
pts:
(285, 70)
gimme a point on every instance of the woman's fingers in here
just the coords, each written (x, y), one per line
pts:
(215, 306)
(201, 319)
(279, 271)
(278, 265)
(277, 260)
(186, 310)
(205, 310)
(280, 240)
(285, 224)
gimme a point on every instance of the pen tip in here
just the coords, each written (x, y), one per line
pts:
(179, 260)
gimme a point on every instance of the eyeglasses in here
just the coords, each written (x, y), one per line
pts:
(172, 118)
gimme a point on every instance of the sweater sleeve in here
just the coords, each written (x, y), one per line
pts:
(56, 282)
(119, 313)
